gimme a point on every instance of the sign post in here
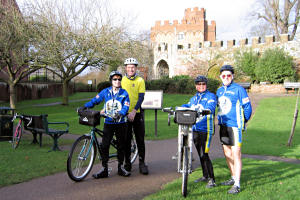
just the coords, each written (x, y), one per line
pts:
(153, 100)
(90, 82)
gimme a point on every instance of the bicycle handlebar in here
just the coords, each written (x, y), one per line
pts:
(22, 117)
(171, 112)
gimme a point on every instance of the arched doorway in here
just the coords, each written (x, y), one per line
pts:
(162, 69)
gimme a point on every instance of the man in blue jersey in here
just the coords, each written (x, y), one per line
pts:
(116, 105)
(203, 130)
(234, 111)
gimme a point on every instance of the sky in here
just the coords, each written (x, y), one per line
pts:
(228, 14)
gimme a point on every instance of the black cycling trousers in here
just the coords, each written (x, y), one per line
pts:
(138, 126)
(108, 132)
(206, 164)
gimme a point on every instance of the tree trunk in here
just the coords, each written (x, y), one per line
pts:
(65, 100)
(12, 95)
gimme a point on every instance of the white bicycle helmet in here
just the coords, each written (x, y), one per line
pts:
(131, 61)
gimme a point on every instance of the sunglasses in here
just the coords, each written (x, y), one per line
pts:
(117, 79)
(226, 75)
(200, 83)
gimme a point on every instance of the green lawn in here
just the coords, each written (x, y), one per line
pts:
(260, 180)
(29, 161)
(269, 130)
(267, 134)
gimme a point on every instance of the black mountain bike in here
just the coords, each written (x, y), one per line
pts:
(83, 152)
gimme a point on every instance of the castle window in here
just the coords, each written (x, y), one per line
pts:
(159, 48)
(181, 36)
(189, 46)
(166, 47)
(179, 46)
(200, 45)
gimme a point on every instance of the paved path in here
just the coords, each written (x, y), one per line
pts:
(162, 170)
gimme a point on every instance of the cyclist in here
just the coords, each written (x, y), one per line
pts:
(234, 111)
(116, 105)
(135, 86)
(203, 130)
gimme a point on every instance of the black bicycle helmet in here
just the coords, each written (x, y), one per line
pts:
(201, 78)
(227, 68)
(113, 73)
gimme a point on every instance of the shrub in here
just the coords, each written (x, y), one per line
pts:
(181, 86)
(246, 63)
(275, 66)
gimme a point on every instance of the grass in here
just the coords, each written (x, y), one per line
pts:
(260, 180)
(268, 133)
(269, 130)
(30, 161)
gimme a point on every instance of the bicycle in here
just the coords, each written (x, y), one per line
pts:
(185, 118)
(83, 152)
(19, 129)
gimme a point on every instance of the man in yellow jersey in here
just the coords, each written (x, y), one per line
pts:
(135, 87)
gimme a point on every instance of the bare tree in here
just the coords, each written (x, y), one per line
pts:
(17, 34)
(76, 37)
(282, 15)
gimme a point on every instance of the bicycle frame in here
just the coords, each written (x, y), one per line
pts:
(94, 139)
(185, 138)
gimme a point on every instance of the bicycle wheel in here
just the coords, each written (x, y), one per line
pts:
(81, 158)
(134, 150)
(17, 135)
(185, 171)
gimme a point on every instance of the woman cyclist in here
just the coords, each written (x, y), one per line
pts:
(116, 105)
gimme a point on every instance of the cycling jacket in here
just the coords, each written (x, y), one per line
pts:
(114, 103)
(234, 106)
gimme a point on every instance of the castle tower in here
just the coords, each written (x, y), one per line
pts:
(173, 40)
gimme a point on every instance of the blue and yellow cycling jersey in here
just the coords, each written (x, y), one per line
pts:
(234, 106)
(134, 87)
(113, 103)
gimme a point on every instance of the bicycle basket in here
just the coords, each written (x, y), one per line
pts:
(89, 117)
(186, 117)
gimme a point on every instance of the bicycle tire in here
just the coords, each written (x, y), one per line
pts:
(185, 171)
(134, 150)
(17, 135)
(79, 166)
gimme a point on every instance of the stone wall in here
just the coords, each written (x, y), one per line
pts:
(267, 89)
(179, 56)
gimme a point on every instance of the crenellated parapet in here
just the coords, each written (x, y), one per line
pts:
(193, 21)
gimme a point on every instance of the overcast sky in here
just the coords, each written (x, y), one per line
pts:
(228, 14)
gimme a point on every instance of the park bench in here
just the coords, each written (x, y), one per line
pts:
(291, 85)
(245, 85)
(40, 125)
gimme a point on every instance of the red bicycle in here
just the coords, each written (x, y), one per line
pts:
(19, 129)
